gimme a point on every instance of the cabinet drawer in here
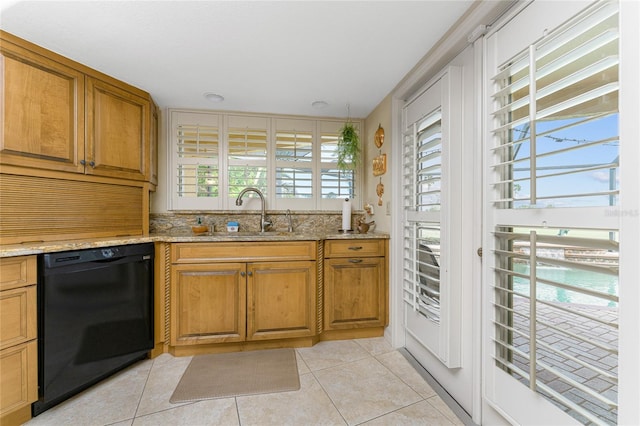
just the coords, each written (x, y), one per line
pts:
(354, 248)
(17, 316)
(242, 251)
(17, 272)
(19, 378)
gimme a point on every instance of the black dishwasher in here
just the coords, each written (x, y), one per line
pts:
(95, 317)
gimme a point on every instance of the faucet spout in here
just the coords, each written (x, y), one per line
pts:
(264, 223)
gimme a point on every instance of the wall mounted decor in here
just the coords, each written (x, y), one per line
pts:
(380, 165)
(378, 137)
(380, 191)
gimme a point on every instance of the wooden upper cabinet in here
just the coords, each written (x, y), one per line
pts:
(63, 116)
(42, 111)
(118, 122)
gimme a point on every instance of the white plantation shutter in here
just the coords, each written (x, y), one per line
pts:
(295, 163)
(196, 158)
(431, 162)
(335, 184)
(247, 141)
(554, 166)
(422, 187)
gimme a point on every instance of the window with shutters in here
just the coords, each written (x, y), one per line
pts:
(555, 165)
(335, 184)
(247, 139)
(423, 177)
(292, 161)
(195, 180)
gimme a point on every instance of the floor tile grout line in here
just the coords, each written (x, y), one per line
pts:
(235, 400)
(146, 381)
(329, 396)
(405, 382)
(398, 409)
(421, 398)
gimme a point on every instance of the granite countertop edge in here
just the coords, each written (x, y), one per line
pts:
(175, 237)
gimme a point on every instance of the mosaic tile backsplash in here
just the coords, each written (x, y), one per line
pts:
(303, 222)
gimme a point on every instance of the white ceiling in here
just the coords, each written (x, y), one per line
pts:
(262, 56)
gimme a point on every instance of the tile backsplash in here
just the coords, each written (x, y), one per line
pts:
(303, 221)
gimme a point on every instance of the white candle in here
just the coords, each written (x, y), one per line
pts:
(346, 215)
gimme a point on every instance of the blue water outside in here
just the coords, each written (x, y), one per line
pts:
(599, 282)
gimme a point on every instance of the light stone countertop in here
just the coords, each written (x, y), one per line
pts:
(176, 236)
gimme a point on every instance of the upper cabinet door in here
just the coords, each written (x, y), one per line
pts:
(118, 135)
(41, 111)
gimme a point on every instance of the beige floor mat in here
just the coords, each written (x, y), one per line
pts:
(238, 373)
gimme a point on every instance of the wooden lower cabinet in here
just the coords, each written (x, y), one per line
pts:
(218, 301)
(18, 339)
(281, 300)
(209, 304)
(355, 294)
(355, 284)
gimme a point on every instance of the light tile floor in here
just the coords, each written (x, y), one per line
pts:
(348, 382)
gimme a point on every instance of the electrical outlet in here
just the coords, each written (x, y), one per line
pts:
(388, 208)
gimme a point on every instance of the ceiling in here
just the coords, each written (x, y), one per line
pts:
(262, 56)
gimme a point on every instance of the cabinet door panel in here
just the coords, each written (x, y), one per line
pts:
(19, 379)
(281, 300)
(209, 303)
(17, 272)
(42, 112)
(17, 316)
(118, 132)
(354, 293)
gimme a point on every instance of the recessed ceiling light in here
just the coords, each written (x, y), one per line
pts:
(319, 104)
(213, 97)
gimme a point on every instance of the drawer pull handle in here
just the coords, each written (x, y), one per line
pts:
(355, 260)
(356, 248)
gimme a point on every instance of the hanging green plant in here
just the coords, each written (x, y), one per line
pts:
(348, 147)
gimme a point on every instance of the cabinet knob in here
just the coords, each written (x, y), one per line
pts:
(242, 274)
(355, 260)
(250, 273)
(83, 162)
(356, 248)
(92, 164)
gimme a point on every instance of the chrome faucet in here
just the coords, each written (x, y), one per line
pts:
(288, 217)
(264, 223)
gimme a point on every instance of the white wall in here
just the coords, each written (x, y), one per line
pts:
(380, 116)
